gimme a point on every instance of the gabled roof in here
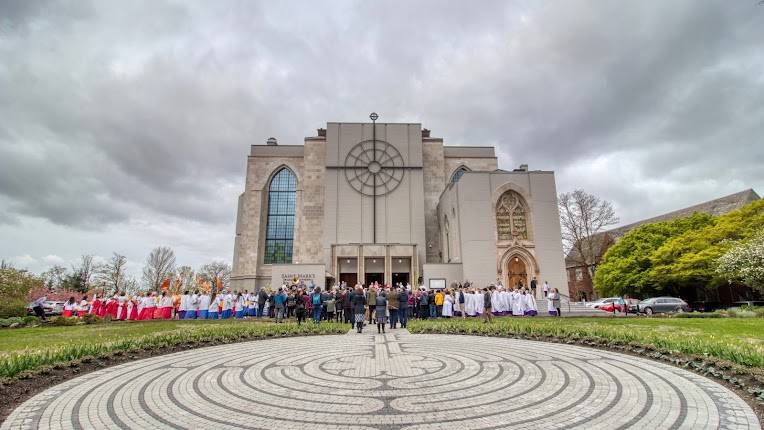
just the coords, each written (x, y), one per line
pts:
(715, 207)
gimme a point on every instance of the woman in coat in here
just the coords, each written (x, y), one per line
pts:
(381, 310)
(358, 303)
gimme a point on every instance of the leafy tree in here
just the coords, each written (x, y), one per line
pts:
(691, 259)
(744, 262)
(626, 268)
(14, 287)
(662, 258)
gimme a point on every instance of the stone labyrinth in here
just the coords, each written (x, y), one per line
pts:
(393, 381)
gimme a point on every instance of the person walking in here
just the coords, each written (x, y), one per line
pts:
(554, 302)
(487, 314)
(358, 305)
(381, 309)
(533, 287)
(546, 289)
(38, 307)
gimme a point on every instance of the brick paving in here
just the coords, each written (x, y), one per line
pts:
(393, 381)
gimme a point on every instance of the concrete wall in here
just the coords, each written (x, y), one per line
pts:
(348, 213)
(450, 272)
(483, 257)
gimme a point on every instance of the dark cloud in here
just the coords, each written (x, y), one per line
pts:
(113, 112)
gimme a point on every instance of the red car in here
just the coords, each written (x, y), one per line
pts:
(609, 307)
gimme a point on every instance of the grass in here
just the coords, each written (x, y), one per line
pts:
(737, 340)
(30, 349)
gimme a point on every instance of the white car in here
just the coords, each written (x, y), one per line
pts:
(602, 302)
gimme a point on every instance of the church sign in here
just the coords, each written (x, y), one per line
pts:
(309, 274)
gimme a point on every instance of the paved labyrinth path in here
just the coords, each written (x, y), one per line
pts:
(391, 381)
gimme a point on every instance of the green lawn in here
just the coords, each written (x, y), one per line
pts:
(28, 349)
(47, 337)
(738, 340)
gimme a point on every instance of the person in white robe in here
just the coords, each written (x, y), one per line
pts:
(448, 305)
(495, 305)
(183, 307)
(477, 296)
(530, 304)
(456, 306)
(504, 301)
(517, 303)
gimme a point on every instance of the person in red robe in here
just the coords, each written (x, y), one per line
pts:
(133, 309)
(95, 309)
(103, 309)
(111, 307)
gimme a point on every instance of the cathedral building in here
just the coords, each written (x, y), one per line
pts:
(387, 202)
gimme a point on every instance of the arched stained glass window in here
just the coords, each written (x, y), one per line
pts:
(279, 235)
(458, 174)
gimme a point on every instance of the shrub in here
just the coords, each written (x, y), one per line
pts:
(698, 315)
(63, 321)
(91, 319)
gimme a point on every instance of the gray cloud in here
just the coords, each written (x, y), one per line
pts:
(126, 113)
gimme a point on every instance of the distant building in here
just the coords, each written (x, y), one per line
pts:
(388, 203)
(580, 282)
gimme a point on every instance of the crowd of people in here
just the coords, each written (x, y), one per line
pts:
(378, 304)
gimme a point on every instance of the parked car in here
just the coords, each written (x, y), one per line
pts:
(50, 307)
(663, 305)
(602, 302)
(609, 307)
(631, 304)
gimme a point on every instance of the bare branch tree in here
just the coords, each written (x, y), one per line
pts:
(582, 217)
(86, 270)
(112, 274)
(54, 277)
(187, 278)
(217, 270)
(160, 264)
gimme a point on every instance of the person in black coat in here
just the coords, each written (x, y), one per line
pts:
(358, 303)
(403, 306)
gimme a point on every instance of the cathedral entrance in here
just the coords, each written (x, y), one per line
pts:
(374, 270)
(517, 273)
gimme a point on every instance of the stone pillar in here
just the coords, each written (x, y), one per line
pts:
(388, 266)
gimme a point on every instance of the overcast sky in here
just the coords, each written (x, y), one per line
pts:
(125, 124)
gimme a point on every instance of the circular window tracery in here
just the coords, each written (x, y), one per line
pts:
(374, 168)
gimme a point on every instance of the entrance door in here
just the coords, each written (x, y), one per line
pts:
(518, 274)
(403, 278)
(375, 277)
(350, 279)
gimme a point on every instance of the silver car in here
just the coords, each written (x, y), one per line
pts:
(663, 305)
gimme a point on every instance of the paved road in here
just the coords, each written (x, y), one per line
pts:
(391, 381)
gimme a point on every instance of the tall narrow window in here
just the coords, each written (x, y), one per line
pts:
(279, 235)
(458, 174)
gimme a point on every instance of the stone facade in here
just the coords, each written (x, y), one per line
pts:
(367, 208)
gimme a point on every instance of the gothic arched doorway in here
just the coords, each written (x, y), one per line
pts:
(517, 272)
